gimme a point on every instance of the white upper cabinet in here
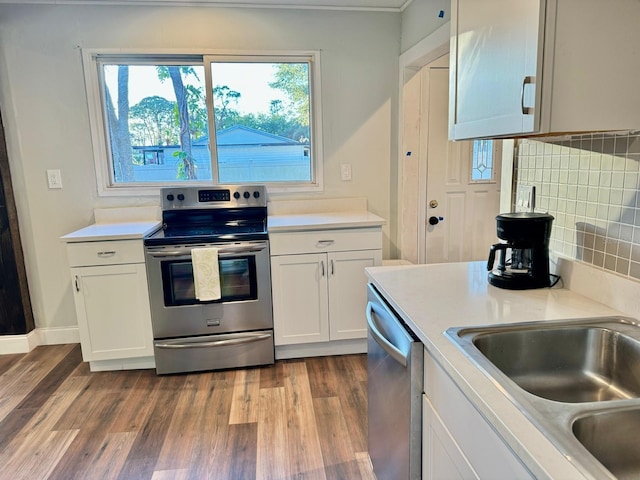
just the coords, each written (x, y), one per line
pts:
(531, 67)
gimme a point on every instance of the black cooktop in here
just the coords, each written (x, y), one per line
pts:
(210, 226)
(164, 237)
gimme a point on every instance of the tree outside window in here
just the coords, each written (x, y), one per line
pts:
(157, 121)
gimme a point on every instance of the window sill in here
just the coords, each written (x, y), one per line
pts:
(154, 191)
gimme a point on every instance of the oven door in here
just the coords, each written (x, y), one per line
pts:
(245, 283)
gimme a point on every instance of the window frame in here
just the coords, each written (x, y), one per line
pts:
(93, 59)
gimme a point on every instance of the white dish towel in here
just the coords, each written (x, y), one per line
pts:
(206, 274)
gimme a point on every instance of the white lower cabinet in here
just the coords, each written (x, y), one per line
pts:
(320, 297)
(441, 456)
(300, 306)
(457, 442)
(348, 292)
(109, 283)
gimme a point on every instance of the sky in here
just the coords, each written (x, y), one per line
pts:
(251, 80)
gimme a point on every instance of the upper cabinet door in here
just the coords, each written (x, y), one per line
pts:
(544, 67)
(495, 67)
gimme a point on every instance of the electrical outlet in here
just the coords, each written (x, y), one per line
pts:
(54, 179)
(345, 171)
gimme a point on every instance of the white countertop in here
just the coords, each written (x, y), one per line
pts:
(432, 298)
(323, 220)
(113, 231)
(120, 223)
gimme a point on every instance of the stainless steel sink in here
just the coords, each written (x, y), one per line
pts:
(568, 363)
(577, 380)
(612, 437)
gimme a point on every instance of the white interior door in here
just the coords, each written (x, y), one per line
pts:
(459, 221)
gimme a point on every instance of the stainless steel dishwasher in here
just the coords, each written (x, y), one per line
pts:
(395, 362)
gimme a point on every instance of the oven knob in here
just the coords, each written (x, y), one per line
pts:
(246, 194)
(180, 197)
(256, 194)
(170, 197)
(236, 195)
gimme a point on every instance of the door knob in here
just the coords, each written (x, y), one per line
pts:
(435, 220)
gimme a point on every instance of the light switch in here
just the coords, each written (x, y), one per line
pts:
(54, 179)
(345, 171)
(526, 198)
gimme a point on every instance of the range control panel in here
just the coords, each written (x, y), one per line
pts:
(220, 196)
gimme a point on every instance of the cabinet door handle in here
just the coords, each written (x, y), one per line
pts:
(77, 285)
(322, 268)
(332, 268)
(107, 253)
(528, 80)
(324, 243)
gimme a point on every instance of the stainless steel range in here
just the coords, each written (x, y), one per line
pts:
(233, 328)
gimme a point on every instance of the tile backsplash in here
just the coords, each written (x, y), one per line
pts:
(589, 183)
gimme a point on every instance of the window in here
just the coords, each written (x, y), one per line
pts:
(204, 119)
(262, 135)
(482, 161)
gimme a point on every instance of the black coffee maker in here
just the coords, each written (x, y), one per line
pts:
(523, 254)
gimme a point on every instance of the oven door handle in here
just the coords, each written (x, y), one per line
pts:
(216, 343)
(237, 250)
(168, 254)
(221, 252)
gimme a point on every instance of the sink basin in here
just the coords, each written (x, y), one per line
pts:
(577, 380)
(611, 437)
(566, 364)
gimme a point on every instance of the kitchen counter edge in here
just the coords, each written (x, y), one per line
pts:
(323, 221)
(112, 231)
(432, 298)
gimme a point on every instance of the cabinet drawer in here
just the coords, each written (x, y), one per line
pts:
(84, 254)
(326, 241)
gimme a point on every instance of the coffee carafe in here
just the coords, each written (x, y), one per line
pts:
(523, 254)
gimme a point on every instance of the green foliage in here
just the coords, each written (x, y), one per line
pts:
(277, 125)
(196, 103)
(290, 120)
(223, 99)
(198, 124)
(163, 72)
(293, 80)
(185, 166)
(152, 122)
(156, 121)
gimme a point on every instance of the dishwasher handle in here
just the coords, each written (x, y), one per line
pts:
(393, 351)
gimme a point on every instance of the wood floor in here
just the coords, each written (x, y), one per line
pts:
(298, 419)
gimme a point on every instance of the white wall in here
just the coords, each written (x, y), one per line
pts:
(420, 19)
(44, 108)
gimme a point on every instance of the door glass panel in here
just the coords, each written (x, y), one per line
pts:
(179, 283)
(482, 161)
(235, 278)
(237, 281)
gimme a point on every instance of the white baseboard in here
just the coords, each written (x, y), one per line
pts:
(58, 335)
(19, 343)
(39, 336)
(124, 364)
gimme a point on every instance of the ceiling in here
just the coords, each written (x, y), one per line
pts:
(373, 5)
